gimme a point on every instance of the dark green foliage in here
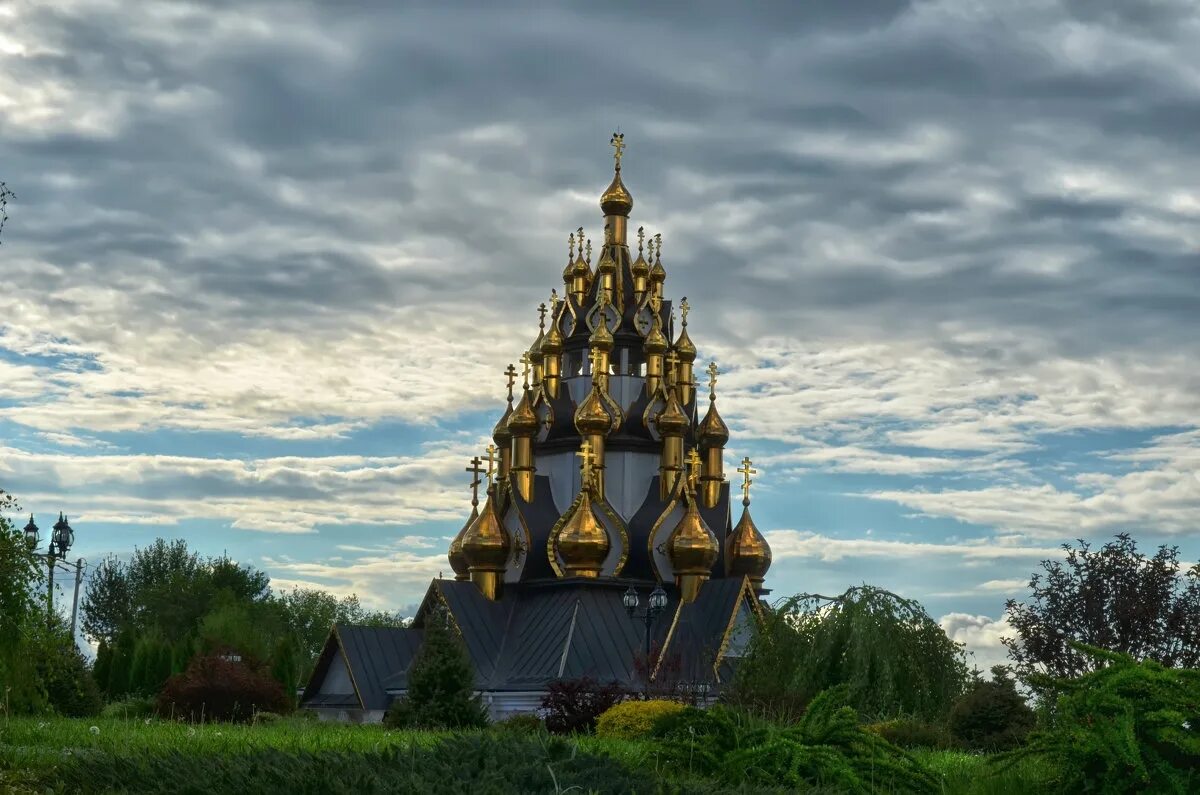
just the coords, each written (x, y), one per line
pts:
(571, 706)
(120, 667)
(285, 667)
(827, 747)
(63, 672)
(1128, 727)
(991, 716)
(521, 724)
(22, 616)
(483, 764)
(128, 709)
(912, 733)
(441, 683)
(102, 665)
(894, 659)
(1114, 598)
(216, 689)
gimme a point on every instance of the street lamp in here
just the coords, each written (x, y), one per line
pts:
(31, 534)
(655, 605)
(61, 540)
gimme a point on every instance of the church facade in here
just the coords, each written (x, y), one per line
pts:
(605, 545)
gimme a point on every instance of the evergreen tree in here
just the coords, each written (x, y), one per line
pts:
(137, 669)
(441, 683)
(100, 668)
(119, 668)
(285, 666)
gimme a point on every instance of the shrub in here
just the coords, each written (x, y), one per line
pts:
(1128, 727)
(991, 716)
(572, 706)
(634, 719)
(523, 723)
(213, 688)
(911, 733)
(441, 684)
(64, 675)
(129, 709)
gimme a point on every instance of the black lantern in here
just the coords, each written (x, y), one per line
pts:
(31, 533)
(630, 599)
(63, 537)
(658, 599)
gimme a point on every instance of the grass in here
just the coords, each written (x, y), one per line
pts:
(33, 749)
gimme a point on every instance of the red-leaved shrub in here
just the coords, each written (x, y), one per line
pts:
(572, 706)
(217, 689)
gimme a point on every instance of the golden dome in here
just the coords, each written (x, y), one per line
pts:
(523, 421)
(501, 435)
(458, 560)
(552, 344)
(601, 337)
(656, 342)
(583, 542)
(593, 416)
(485, 544)
(581, 268)
(606, 264)
(616, 199)
(712, 431)
(657, 272)
(693, 547)
(747, 550)
(671, 421)
(684, 347)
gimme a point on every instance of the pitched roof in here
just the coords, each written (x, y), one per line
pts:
(372, 654)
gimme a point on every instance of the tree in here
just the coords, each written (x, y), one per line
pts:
(441, 683)
(22, 618)
(1113, 598)
(991, 715)
(310, 614)
(893, 658)
(5, 195)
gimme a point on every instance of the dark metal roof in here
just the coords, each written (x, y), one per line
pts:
(699, 628)
(372, 655)
(540, 516)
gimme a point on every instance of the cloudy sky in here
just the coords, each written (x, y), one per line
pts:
(267, 262)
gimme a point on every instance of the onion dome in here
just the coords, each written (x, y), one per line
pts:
(656, 341)
(671, 421)
(640, 268)
(523, 421)
(552, 343)
(616, 199)
(583, 542)
(458, 559)
(712, 431)
(692, 547)
(501, 434)
(747, 550)
(685, 349)
(606, 264)
(658, 273)
(592, 416)
(601, 337)
(485, 544)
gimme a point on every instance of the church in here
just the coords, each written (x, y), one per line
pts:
(605, 545)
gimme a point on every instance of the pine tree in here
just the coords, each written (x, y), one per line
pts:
(441, 683)
(119, 669)
(285, 666)
(100, 668)
(138, 678)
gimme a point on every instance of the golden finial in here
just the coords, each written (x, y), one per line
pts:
(649, 247)
(476, 471)
(672, 360)
(589, 252)
(656, 304)
(594, 356)
(641, 238)
(491, 462)
(587, 460)
(541, 317)
(694, 466)
(571, 247)
(526, 361)
(684, 308)
(617, 142)
(746, 471)
(554, 301)
(511, 372)
(579, 237)
(712, 380)
(658, 247)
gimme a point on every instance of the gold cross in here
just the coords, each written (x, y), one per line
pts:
(684, 308)
(641, 237)
(541, 317)
(589, 252)
(649, 247)
(694, 466)
(571, 247)
(712, 380)
(617, 142)
(526, 360)
(491, 461)
(672, 359)
(656, 305)
(476, 470)
(587, 461)
(746, 471)
(554, 301)
(594, 357)
(658, 245)
(511, 372)
(579, 236)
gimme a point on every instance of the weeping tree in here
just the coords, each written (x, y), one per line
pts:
(891, 656)
(5, 195)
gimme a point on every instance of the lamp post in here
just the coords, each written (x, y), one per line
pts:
(656, 603)
(61, 540)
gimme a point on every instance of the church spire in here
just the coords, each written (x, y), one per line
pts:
(747, 552)
(616, 201)
(713, 435)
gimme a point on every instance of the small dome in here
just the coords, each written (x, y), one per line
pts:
(671, 421)
(458, 559)
(552, 343)
(685, 348)
(523, 422)
(593, 416)
(581, 268)
(639, 268)
(501, 435)
(485, 544)
(657, 272)
(601, 337)
(747, 550)
(656, 341)
(693, 547)
(583, 542)
(712, 431)
(606, 264)
(616, 199)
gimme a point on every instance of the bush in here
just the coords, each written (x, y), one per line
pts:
(633, 719)
(826, 748)
(1128, 727)
(129, 709)
(991, 716)
(64, 675)
(911, 733)
(441, 684)
(215, 689)
(571, 706)
(523, 723)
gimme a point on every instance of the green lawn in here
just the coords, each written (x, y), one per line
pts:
(57, 755)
